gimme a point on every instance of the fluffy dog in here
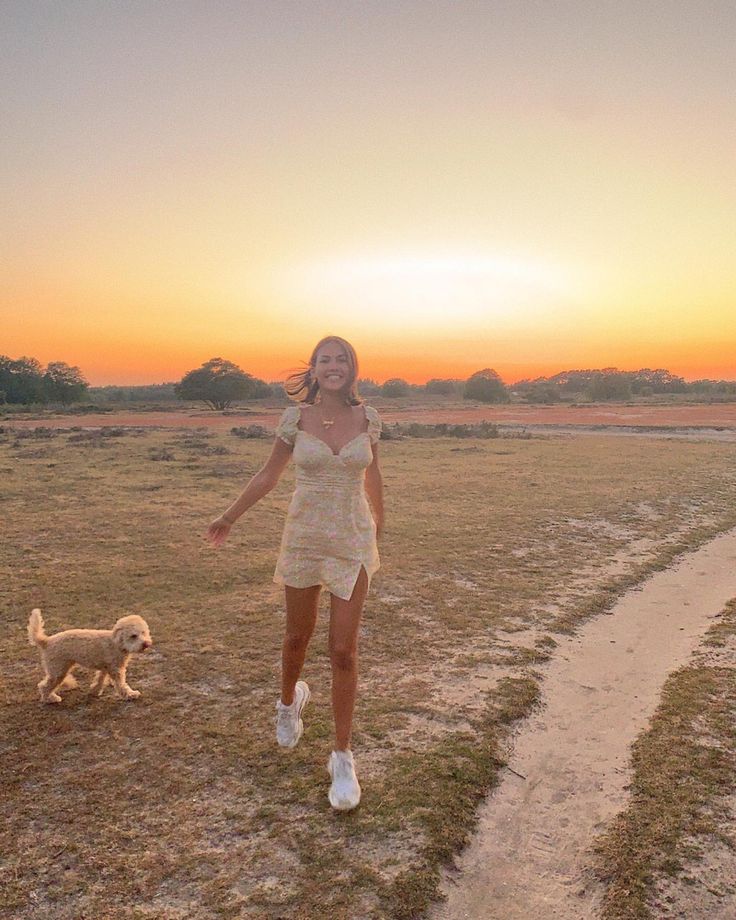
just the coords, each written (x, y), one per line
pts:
(106, 651)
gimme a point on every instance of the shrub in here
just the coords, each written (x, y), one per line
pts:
(160, 453)
(252, 431)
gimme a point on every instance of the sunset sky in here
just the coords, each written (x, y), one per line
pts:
(530, 185)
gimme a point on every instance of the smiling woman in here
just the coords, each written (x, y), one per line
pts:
(429, 288)
(329, 540)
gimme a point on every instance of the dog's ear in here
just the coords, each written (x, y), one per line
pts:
(118, 633)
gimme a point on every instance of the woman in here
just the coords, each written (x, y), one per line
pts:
(329, 539)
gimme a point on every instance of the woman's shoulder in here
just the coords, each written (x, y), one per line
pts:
(288, 424)
(370, 413)
(374, 422)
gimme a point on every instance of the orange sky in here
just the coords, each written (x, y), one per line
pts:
(450, 187)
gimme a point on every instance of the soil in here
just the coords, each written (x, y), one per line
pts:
(569, 767)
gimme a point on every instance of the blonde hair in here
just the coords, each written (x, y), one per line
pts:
(303, 386)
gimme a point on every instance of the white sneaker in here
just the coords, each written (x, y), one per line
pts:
(289, 725)
(345, 789)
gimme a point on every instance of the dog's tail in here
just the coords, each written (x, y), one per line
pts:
(36, 635)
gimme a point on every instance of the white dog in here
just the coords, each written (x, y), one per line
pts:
(106, 651)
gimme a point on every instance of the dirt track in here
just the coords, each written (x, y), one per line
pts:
(570, 760)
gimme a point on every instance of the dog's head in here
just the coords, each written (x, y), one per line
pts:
(132, 634)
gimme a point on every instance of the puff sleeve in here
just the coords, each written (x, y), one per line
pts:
(374, 424)
(287, 426)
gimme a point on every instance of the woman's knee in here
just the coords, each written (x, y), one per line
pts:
(344, 658)
(296, 642)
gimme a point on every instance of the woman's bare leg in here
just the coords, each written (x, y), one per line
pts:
(344, 625)
(301, 615)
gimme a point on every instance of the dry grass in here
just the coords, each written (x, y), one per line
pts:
(180, 805)
(673, 846)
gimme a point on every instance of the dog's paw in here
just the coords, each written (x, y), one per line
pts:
(51, 698)
(131, 694)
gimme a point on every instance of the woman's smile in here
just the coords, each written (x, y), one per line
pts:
(331, 367)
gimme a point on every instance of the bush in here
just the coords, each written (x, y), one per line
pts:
(160, 453)
(397, 431)
(252, 431)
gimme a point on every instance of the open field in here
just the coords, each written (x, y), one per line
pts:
(180, 804)
(642, 415)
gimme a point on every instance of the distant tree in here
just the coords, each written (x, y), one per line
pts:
(486, 386)
(601, 384)
(218, 383)
(368, 387)
(21, 380)
(539, 391)
(261, 389)
(441, 387)
(64, 384)
(145, 393)
(6, 381)
(571, 384)
(645, 382)
(609, 384)
(712, 388)
(395, 387)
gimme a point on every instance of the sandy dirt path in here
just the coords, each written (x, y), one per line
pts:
(528, 857)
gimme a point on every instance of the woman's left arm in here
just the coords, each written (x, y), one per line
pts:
(374, 490)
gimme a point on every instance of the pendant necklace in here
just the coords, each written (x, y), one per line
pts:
(326, 422)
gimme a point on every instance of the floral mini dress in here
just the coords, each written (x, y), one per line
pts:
(329, 533)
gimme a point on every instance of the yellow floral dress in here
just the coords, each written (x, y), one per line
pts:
(329, 533)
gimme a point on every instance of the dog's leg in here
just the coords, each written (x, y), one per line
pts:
(50, 683)
(47, 692)
(126, 692)
(99, 682)
(70, 682)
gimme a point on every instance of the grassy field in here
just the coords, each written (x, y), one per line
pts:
(180, 805)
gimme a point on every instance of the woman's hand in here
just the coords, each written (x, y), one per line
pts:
(218, 530)
(379, 525)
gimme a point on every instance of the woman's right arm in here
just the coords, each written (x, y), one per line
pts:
(261, 484)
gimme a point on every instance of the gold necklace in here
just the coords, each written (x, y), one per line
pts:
(326, 422)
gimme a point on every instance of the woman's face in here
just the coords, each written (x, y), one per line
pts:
(332, 368)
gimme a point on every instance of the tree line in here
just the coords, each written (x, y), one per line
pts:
(219, 383)
(612, 384)
(25, 381)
